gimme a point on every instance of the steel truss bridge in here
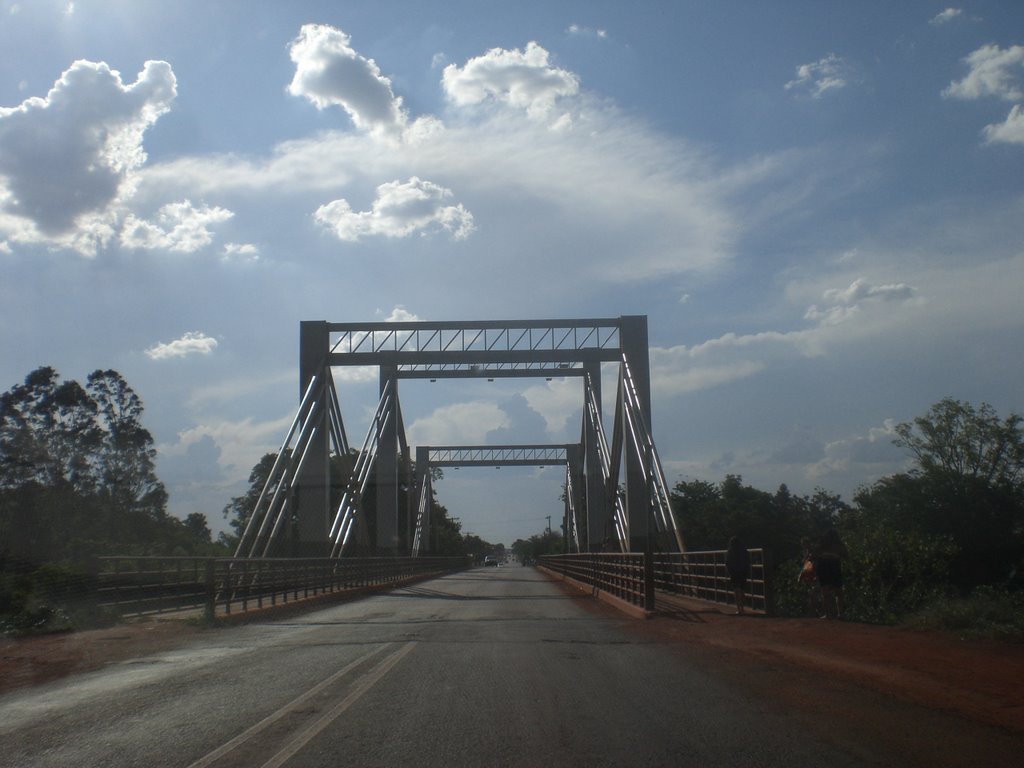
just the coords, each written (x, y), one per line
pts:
(616, 497)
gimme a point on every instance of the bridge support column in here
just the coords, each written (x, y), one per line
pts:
(633, 341)
(312, 486)
(387, 469)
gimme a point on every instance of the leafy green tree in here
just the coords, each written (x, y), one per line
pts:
(967, 487)
(77, 473)
(477, 547)
(238, 511)
(48, 434)
(964, 446)
(709, 515)
(126, 456)
(538, 545)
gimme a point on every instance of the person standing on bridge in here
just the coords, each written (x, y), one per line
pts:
(737, 564)
(829, 566)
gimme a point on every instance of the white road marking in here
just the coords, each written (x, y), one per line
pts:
(362, 686)
(272, 718)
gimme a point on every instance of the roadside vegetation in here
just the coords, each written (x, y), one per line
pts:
(941, 545)
(77, 482)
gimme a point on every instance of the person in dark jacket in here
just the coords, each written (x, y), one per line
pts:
(737, 564)
(829, 567)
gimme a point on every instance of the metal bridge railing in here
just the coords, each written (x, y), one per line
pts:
(620, 575)
(697, 575)
(703, 576)
(136, 586)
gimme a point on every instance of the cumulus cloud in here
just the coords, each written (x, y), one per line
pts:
(458, 424)
(842, 303)
(179, 227)
(1009, 132)
(819, 77)
(993, 72)
(240, 444)
(522, 79)
(401, 208)
(68, 156)
(945, 16)
(240, 252)
(192, 343)
(329, 72)
(859, 455)
(555, 401)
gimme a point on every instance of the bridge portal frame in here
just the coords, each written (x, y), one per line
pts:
(624, 520)
(428, 457)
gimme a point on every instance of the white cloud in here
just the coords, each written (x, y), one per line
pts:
(732, 357)
(399, 210)
(610, 180)
(65, 158)
(1011, 131)
(400, 315)
(241, 443)
(579, 31)
(819, 77)
(946, 16)
(556, 401)
(858, 456)
(246, 253)
(993, 72)
(522, 79)
(179, 227)
(842, 303)
(458, 424)
(192, 343)
(328, 72)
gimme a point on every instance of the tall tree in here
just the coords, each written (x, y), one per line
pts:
(967, 487)
(127, 456)
(48, 434)
(961, 444)
(77, 471)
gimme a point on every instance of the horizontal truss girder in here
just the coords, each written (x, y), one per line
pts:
(498, 455)
(486, 340)
(491, 371)
(507, 358)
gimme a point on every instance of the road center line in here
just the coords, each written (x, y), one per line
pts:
(364, 684)
(272, 718)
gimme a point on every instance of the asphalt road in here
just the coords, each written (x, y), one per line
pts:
(493, 666)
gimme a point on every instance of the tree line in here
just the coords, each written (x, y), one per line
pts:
(951, 526)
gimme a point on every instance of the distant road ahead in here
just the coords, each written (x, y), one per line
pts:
(494, 666)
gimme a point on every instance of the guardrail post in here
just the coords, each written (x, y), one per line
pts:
(648, 581)
(210, 605)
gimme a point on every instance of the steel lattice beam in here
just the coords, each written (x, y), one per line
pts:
(498, 455)
(422, 347)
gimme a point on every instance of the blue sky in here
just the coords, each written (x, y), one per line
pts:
(818, 205)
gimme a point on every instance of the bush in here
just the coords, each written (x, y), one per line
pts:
(887, 575)
(892, 573)
(55, 597)
(987, 613)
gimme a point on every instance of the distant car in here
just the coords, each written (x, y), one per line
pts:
(491, 560)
